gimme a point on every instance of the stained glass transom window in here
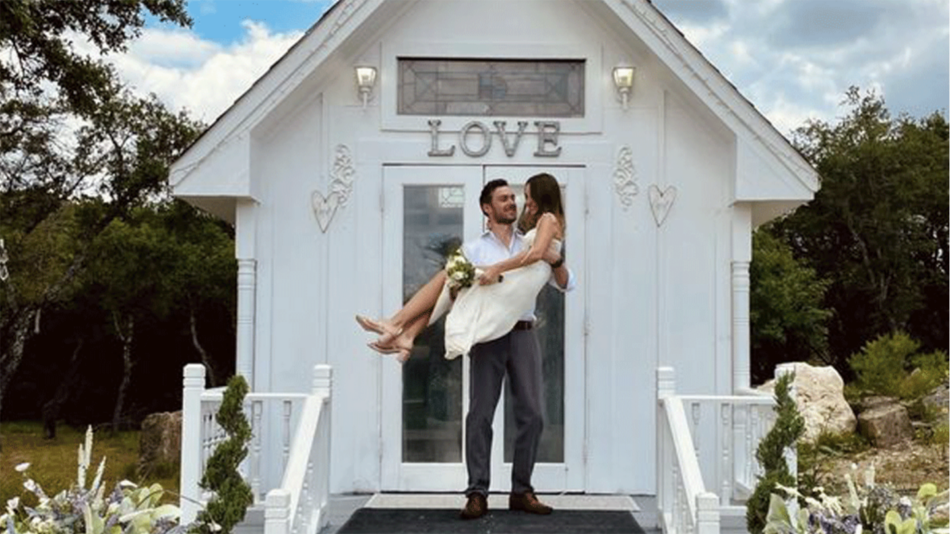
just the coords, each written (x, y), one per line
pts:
(491, 87)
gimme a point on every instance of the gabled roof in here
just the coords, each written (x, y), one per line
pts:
(760, 146)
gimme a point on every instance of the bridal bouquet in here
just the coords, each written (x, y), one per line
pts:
(461, 272)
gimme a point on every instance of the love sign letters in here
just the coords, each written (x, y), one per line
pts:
(475, 138)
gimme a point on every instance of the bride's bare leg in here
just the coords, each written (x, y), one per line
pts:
(403, 342)
(421, 303)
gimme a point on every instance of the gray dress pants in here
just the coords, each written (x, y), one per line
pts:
(518, 355)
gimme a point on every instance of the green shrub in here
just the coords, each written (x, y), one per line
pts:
(787, 430)
(890, 366)
(231, 494)
(841, 443)
(941, 436)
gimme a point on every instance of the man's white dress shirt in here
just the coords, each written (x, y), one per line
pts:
(488, 249)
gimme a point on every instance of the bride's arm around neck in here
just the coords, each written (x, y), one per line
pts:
(545, 231)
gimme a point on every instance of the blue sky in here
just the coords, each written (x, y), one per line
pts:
(220, 20)
(793, 59)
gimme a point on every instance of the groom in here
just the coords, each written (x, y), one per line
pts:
(517, 355)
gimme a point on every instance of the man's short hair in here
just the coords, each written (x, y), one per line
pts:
(489, 190)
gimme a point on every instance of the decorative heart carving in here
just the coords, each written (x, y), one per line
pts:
(324, 208)
(661, 202)
(340, 187)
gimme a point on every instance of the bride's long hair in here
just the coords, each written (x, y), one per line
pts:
(546, 193)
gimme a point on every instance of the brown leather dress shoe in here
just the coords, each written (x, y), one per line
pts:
(475, 507)
(528, 502)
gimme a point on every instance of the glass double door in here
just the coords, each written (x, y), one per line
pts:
(428, 212)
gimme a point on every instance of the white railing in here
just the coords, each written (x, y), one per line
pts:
(299, 505)
(299, 452)
(683, 504)
(706, 455)
(725, 432)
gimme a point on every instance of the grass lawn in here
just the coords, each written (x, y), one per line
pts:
(53, 463)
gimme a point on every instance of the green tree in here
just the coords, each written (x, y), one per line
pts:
(788, 320)
(204, 272)
(878, 228)
(126, 267)
(68, 128)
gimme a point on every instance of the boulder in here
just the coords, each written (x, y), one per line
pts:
(886, 425)
(867, 403)
(819, 395)
(159, 441)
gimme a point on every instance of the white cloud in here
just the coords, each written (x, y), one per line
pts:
(795, 59)
(201, 76)
(900, 50)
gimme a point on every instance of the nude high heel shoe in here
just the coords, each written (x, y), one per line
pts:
(402, 353)
(386, 331)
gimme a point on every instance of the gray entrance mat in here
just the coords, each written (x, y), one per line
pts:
(432, 521)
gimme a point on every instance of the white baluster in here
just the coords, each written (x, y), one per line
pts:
(727, 471)
(308, 488)
(695, 414)
(324, 470)
(207, 435)
(285, 441)
(257, 407)
(662, 465)
(677, 497)
(753, 444)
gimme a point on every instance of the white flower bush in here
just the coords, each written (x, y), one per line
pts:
(126, 509)
(866, 509)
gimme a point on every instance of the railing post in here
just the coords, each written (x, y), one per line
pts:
(193, 385)
(665, 382)
(322, 379)
(707, 513)
(666, 482)
(323, 385)
(277, 512)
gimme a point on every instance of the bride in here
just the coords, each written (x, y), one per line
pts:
(487, 310)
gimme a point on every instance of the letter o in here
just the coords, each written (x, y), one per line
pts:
(463, 136)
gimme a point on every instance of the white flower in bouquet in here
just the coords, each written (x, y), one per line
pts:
(460, 271)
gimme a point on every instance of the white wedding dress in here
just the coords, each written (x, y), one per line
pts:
(484, 313)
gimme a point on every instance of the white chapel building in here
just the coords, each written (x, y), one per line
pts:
(354, 165)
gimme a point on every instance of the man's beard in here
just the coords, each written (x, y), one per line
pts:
(501, 219)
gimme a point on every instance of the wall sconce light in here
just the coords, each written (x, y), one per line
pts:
(623, 79)
(365, 80)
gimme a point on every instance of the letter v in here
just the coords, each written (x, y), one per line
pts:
(509, 147)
